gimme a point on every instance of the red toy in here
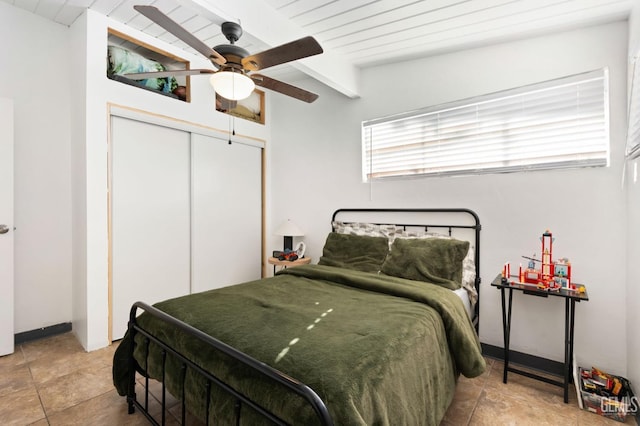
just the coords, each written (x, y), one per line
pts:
(551, 275)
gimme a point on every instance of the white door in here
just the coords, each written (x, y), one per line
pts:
(6, 226)
(150, 211)
(226, 213)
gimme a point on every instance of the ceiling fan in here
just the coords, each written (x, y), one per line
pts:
(232, 79)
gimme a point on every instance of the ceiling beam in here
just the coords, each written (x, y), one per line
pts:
(263, 23)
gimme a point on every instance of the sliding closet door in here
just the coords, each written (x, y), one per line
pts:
(226, 213)
(150, 216)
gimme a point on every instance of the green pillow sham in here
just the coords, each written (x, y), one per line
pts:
(358, 252)
(433, 260)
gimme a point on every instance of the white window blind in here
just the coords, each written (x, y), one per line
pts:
(554, 124)
(633, 122)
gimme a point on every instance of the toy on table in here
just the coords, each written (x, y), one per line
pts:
(551, 275)
(287, 254)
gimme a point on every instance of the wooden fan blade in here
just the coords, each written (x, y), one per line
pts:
(284, 88)
(167, 73)
(154, 14)
(298, 49)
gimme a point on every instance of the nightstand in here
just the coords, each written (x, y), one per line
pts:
(570, 298)
(287, 263)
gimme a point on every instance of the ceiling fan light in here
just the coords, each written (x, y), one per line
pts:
(232, 85)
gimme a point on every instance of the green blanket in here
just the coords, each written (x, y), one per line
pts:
(377, 349)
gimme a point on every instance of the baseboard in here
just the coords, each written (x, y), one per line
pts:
(525, 360)
(40, 333)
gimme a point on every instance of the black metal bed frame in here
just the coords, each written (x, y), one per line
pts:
(294, 385)
(297, 387)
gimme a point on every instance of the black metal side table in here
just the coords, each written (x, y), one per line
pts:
(571, 297)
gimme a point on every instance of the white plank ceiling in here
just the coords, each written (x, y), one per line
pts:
(354, 33)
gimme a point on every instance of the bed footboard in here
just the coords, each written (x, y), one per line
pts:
(304, 391)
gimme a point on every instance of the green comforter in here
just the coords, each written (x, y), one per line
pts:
(377, 349)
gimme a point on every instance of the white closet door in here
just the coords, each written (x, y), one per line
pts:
(150, 216)
(226, 213)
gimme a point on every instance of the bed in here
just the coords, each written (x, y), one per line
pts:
(376, 333)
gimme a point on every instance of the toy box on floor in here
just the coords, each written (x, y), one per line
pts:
(606, 394)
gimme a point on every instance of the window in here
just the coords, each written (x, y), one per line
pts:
(555, 124)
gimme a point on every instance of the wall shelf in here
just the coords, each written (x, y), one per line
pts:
(166, 59)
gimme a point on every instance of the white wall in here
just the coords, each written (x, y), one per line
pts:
(78, 60)
(318, 146)
(633, 230)
(35, 73)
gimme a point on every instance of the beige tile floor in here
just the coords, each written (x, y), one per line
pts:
(54, 381)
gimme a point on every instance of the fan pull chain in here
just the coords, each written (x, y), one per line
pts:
(232, 127)
(232, 122)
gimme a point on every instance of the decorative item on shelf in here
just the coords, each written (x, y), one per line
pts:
(289, 230)
(550, 276)
(126, 55)
(251, 108)
(285, 255)
(180, 92)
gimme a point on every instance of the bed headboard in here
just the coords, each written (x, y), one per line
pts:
(460, 223)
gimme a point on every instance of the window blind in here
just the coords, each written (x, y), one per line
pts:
(554, 124)
(633, 122)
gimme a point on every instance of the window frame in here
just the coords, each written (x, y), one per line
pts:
(599, 144)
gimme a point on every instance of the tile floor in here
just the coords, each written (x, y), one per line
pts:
(54, 381)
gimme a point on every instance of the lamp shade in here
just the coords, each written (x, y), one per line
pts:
(232, 85)
(289, 229)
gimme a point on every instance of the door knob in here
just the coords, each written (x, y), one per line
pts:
(4, 229)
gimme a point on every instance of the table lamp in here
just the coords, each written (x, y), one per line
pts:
(289, 230)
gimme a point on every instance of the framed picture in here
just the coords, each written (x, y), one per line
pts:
(251, 108)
